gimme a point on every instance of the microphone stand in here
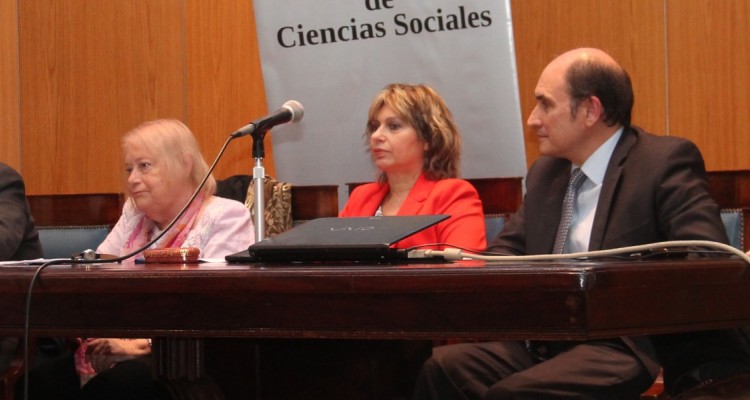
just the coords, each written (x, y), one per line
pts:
(259, 174)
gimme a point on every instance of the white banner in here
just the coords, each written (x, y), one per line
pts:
(333, 56)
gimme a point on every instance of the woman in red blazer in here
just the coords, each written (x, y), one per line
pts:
(416, 146)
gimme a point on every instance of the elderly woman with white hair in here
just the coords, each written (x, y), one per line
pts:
(163, 168)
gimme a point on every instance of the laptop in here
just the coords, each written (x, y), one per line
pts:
(339, 239)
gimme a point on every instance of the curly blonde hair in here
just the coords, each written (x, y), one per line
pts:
(422, 107)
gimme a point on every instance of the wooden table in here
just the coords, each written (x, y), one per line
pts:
(574, 300)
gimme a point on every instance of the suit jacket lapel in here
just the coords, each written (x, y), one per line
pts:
(417, 196)
(609, 188)
(547, 194)
(554, 201)
(373, 202)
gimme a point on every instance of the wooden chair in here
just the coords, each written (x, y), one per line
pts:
(731, 189)
(71, 223)
(500, 197)
(76, 209)
(317, 201)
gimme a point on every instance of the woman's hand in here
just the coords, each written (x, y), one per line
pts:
(105, 353)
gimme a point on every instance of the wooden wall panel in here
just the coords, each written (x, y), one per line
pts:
(631, 31)
(90, 71)
(77, 74)
(10, 135)
(709, 78)
(224, 81)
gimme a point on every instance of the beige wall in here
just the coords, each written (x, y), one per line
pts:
(76, 74)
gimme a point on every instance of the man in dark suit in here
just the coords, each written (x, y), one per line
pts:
(19, 239)
(637, 188)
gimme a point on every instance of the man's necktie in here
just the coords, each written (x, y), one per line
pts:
(541, 350)
(576, 179)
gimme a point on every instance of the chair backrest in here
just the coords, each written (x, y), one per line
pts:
(734, 222)
(76, 209)
(731, 190)
(500, 197)
(66, 241)
(314, 201)
(71, 223)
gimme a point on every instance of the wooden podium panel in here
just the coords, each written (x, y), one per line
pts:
(573, 300)
(182, 306)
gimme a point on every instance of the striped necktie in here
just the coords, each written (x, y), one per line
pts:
(576, 180)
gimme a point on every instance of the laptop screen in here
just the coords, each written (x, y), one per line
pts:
(339, 239)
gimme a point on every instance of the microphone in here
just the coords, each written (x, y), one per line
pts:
(291, 111)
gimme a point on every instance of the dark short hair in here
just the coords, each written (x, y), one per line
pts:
(610, 83)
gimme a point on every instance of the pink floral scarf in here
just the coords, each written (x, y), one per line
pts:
(145, 229)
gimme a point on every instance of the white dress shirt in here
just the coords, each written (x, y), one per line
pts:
(582, 222)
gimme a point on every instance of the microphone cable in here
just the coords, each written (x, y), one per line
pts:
(59, 261)
(644, 250)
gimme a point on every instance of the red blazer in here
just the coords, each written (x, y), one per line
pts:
(455, 197)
